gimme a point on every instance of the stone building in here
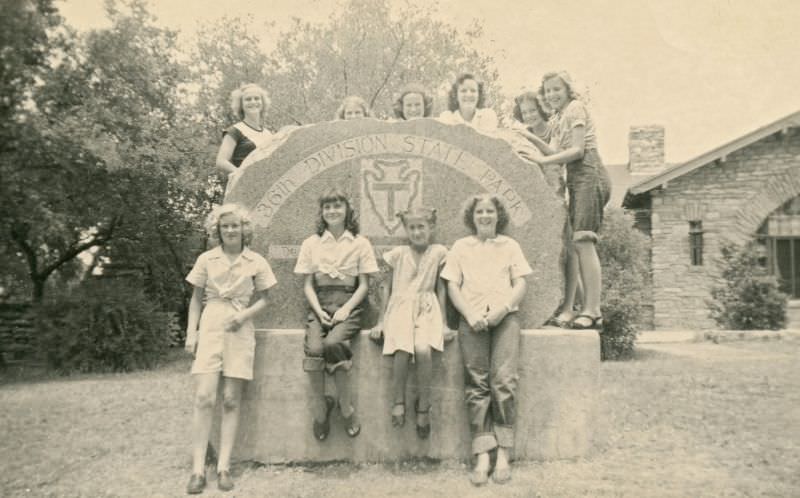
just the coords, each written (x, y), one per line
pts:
(749, 187)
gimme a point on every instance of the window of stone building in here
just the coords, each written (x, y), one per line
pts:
(696, 242)
(780, 234)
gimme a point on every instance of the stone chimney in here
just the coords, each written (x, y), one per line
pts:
(646, 150)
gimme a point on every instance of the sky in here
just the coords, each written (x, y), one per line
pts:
(709, 71)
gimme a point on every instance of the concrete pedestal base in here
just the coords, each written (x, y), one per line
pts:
(557, 397)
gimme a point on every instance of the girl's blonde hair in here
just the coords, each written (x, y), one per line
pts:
(355, 100)
(212, 223)
(236, 100)
(572, 93)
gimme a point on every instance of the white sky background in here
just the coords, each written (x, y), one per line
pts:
(708, 70)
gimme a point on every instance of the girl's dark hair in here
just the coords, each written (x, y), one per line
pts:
(350, 220)
(420, 212)
(529, 98)
(452, 96)
(427, 100)
(469, 212)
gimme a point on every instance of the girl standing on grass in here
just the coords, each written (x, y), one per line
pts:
(466, 101)
(353, 107)
(574, 143)
(412, 319)
(221, 334)
(336, 262)
(485, 273)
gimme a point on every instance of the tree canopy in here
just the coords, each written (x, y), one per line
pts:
(109, 136)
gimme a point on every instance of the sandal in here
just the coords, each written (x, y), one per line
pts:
(322, 429)
(555, 321)
(351, 425)
(595, 322)
(423, 431)
(398, 417)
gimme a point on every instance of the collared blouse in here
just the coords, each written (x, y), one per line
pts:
(563, 122)
(484, 270)
(348, 256)
(484, 119)
(232, 281)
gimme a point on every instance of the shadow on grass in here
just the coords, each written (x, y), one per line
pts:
(343, 469)
(175, 360)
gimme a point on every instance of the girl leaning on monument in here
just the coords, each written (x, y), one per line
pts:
(220, 333)
(486, 273)
(413, 102)
(248, 103)
(353, 107)
(412, 317)
(335, 262)
(574, 143)
(465, 103)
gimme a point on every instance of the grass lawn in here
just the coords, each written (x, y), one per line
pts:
(683, 420)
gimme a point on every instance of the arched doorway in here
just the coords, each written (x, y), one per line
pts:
(781, 234)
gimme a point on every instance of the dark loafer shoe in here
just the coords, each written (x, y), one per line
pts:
(196, 484)
(322, 429)
(224, 481)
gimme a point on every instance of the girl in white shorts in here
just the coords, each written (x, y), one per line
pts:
(220, 333)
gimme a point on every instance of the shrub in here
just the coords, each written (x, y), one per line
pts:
(106, 326)
(748, 297)
(623, 256)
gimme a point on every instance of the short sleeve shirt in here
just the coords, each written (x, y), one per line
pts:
(247, 139)
(484, 119)
(348, 256)
(484, 270)
(572, 116)
(236, 280)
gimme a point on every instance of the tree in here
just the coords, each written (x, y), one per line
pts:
(107, 157)
(367, 48)
(748, 297)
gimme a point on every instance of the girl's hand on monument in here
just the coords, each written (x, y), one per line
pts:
(531, 155)
(376, 334)
(449, 334)
(341, 314)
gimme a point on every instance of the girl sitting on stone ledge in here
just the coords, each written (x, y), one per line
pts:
(486, 282)
(412, 318)
(336, 262)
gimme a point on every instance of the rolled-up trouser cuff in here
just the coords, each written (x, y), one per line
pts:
(483, 442)
(345, 364)
(313, 364)
(504, 435)
(584, 236)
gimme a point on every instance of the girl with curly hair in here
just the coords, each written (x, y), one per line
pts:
(466, 102)
(486, 282)
(249, 103)
(220, 332)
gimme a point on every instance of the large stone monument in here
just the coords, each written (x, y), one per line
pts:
(387, 167)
